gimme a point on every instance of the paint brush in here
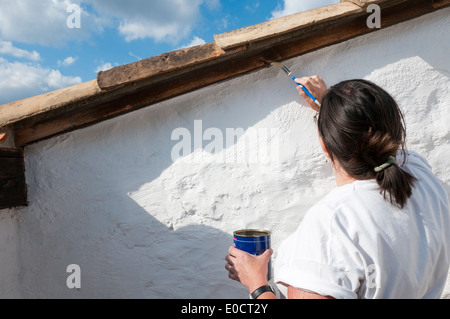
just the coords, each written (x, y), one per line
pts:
(285, 69)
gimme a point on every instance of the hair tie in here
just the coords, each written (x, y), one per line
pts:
(391, 160)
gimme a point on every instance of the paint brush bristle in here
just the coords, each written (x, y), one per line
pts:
(281, 66)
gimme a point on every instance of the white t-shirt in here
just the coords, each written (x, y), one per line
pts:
(355, 244)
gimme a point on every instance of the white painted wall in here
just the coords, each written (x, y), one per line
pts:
(9, 255)
(110, 199)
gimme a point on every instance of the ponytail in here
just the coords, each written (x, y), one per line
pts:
(362, 127)
(395, 184)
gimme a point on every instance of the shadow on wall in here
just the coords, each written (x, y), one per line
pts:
(122, 253)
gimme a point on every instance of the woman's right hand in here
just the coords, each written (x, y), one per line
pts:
(249, 270)
(316, 85)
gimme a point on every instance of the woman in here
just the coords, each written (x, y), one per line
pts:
(383, 232)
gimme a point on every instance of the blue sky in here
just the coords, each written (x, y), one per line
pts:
(39, 52)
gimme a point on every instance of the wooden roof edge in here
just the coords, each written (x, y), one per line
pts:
(192, 58)
(157, 68)
(83, 94)
(178, 61)
(297, 21)
(284, 25)
(33, 106)
(366, 3)
(130, 87)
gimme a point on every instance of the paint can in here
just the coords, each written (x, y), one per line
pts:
(254, 242)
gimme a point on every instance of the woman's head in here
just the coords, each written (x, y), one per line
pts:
(361, 127)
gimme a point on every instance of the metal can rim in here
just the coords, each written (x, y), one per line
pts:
(245, 233)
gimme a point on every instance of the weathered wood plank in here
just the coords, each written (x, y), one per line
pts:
(10, 185)
(13, 188)
(12, 201)
(183, 60)
(288, 24)
(11, 153)
(13, 193)
(365, 3)
(3, 135)
(55, 102)
(11, 167)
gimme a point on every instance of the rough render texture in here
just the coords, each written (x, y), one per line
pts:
(110, 199)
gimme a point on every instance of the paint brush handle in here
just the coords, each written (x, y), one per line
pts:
(307, 92)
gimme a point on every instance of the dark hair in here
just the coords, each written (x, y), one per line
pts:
(361, 126)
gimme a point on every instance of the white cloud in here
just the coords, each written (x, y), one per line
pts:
(134, 56)
(67, 61)
(252, 6)
(53, 79)
(43, 22)
(150, 29)
(8, 48)
(22, 80)
(294, 6)
(213, 4)
(167, 21)
(195, 41)
(104, 67)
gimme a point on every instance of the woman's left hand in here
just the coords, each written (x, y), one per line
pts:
(249, 270)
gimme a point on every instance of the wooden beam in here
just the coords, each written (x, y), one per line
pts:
(286, 25)
(7, 137)
(3, 135)
(127, 88)
(57, 102)
(13, 189)
(365, 3)
(172, 63)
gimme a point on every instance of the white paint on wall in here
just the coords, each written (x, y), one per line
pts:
(9, 255)
(110, 199)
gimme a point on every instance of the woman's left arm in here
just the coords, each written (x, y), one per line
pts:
(294, 293)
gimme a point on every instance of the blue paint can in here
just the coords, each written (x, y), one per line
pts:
(254, 242)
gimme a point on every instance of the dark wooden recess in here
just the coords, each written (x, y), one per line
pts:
(13, 189)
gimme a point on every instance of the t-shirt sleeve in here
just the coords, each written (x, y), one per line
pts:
(319, 257)
(414, 159)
